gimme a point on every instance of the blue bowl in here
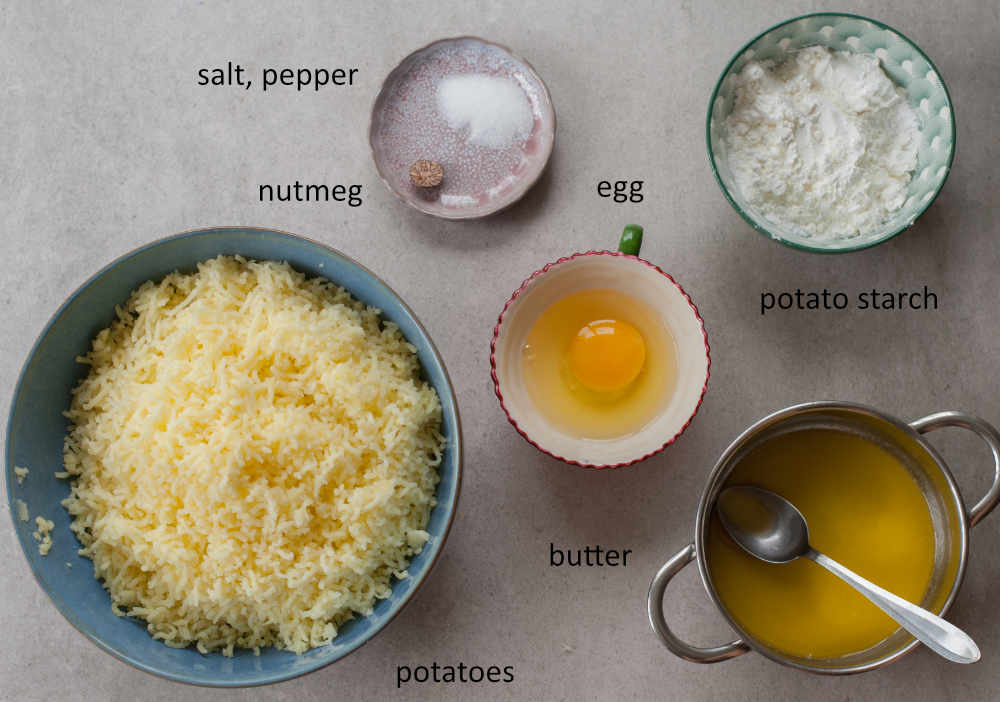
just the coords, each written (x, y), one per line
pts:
(36, 429)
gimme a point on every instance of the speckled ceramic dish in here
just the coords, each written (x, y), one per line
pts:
(639, 279)
(902, 60)
(37, 427)
(406, 126)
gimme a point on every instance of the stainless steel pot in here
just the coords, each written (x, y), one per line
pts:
(950, 519)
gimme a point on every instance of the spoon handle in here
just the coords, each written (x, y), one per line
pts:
(934, 632)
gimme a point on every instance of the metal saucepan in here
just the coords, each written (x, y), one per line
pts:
(949, 517)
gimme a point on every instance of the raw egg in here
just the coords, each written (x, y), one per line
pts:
(599, 364)
(607, 355)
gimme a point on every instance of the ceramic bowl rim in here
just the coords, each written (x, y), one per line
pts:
(460, 215)
(67, 611)
(749, 218)
(526, 284)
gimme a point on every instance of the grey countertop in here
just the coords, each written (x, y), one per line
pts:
(107, 143)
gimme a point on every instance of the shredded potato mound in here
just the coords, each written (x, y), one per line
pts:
(253, 455)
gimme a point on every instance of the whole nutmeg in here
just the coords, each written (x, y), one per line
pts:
(426, 174)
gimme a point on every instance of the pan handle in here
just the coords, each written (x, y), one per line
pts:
(987, 433)
(655, 609)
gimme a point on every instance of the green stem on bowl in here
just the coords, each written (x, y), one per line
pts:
(631, 240)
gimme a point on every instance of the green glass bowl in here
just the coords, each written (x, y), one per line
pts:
(901, 59)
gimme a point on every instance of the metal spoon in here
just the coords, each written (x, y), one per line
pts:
(769, 527)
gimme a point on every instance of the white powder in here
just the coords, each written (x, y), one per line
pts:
(823, 144)
(496, 110)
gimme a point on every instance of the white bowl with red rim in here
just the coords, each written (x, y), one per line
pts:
(600, 270)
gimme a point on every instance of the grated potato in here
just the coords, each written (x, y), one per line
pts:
(253, 457)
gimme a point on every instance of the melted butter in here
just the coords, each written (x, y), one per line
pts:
(864, 509)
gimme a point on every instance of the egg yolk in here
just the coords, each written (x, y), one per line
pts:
(607, 355)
